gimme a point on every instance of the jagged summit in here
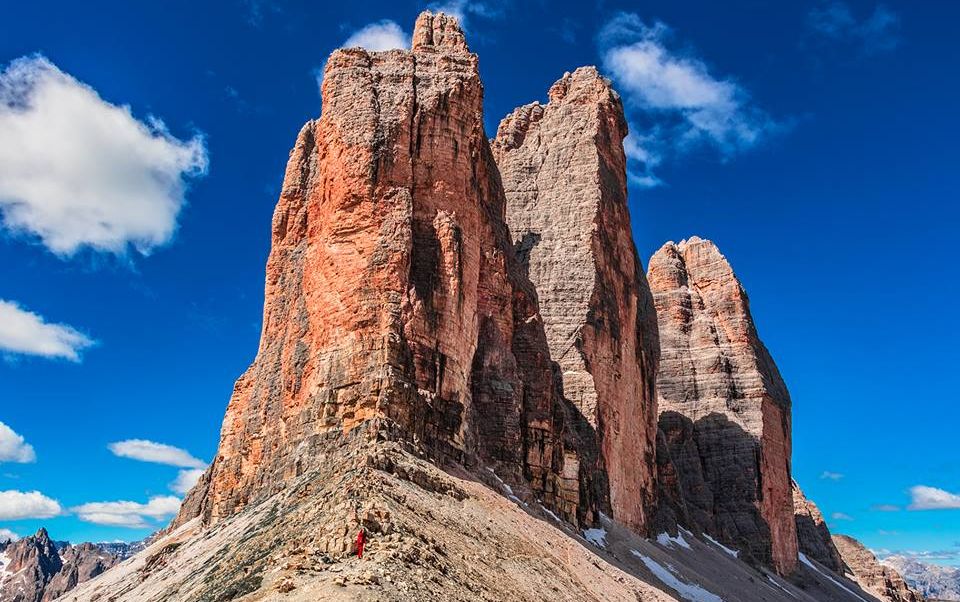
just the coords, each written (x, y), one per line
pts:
(438, 30)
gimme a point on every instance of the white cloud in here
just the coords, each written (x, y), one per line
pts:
(464, 9)
(158, 453)
(185, 480)
(875, 33)
(129, 514)
(382, 35)
(885, 508)
(77, 171)
(675, 97)
(831, 476)
(25, 332)
(931, 498)
(6, 535)
(13, 447)
(18, 505)
(840, 516)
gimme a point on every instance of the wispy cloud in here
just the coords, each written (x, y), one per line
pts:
(129, 514)
(874, 33)
(13, 447)
(886, 508)
(20, 505)
(464, 10)
(382, 35)
(831, 476)
(158, 453)
(841, 516)
(673, 100)
(77, 171)
(931, 498)
(24, 332)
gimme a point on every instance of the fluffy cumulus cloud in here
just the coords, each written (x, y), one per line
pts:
(873, 33)
(13, 447)
(931, 498)
(673, 100)
(6, 535)
(129, 514)
(382, 35)
(158, 453)
(19, 505)
(77, 171)
(27, 333)
(185, 480)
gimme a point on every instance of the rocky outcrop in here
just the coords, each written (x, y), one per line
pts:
(864, 568)
(394, 306)
(932, 581)
(813, 535)
(724, 408)
(564, 174)
(32, 569)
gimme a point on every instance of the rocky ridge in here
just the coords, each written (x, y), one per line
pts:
(864, 568)
(36, 569)
(813, 535)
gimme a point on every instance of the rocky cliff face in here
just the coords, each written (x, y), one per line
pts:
(32, 569)
(813, 535)
(564, 174)
(724, 409)
(864, 568)
(394, 306)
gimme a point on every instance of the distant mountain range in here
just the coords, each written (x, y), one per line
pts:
(932, 580)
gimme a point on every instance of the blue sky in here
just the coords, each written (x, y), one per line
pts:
(814, 142)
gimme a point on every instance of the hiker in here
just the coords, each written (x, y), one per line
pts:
(361, 538)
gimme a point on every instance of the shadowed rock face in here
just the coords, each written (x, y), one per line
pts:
(725, 410)
(813, 536)
(864, 568)
(394, 306)
(33, 570)
(564, 174)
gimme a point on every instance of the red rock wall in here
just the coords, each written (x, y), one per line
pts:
(564, 172)
(394, 306)
(724, 408)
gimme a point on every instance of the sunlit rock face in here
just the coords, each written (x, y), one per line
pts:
(564, 174)
(724, 408)
(394, 305)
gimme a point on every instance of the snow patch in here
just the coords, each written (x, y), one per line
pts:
(688, 591)
(551, 514)
(503, 484)
(4, 563)
(730, 551)
(806, 561)
(664, 539)
(597, 537)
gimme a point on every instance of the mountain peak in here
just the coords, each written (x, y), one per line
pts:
(438, 30)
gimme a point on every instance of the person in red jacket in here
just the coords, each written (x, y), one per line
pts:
(361, 539)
